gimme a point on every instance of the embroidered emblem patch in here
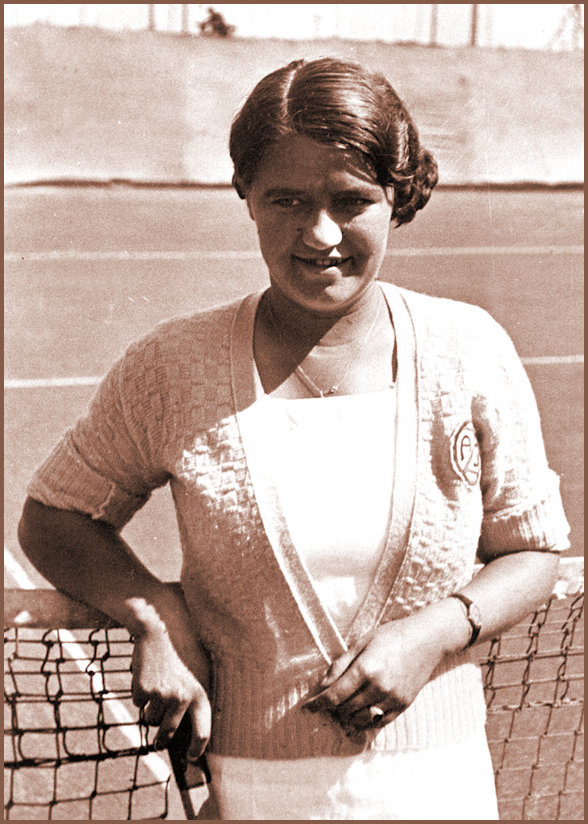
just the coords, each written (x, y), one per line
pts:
(465, 454)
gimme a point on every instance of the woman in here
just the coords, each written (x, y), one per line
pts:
(338, 450)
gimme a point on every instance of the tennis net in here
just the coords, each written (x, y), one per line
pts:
(76, 747)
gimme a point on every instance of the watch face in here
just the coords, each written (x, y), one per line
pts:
(475, 615)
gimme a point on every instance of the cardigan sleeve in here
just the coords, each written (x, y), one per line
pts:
(108, 463)
(521, 498)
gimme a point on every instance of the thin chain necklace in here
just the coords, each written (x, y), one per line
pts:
(299, 371)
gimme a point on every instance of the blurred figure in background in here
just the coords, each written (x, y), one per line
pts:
(215, 24)
(339, 451)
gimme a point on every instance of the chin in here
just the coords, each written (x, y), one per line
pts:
(328, 293)
(330, 301)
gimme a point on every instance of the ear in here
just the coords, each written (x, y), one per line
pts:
(241, 191)
(250, 209)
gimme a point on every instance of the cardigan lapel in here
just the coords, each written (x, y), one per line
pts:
(405, 470)
(247, 393)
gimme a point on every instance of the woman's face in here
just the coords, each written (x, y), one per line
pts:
(322, 221)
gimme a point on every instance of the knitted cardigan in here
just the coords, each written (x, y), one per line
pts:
(470, 476)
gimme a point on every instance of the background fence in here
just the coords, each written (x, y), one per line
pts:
(558, 26)
(89, 104)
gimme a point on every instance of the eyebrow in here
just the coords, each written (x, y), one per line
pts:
(355, 191)
(283, 192)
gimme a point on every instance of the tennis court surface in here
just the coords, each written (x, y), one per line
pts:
(87, 270)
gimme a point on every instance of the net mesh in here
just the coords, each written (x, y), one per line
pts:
(534, 683)
(76, 747)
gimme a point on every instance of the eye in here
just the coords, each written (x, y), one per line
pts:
(287, 202)
(355, 202)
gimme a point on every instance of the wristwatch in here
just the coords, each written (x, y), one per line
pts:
(473, 615)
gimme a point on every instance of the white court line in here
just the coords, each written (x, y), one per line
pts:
(20, 575)
(457, 251)
(154, 763)
(556, 360)
(48, 383)
(64, 383)
(202, 254)
(188, 254)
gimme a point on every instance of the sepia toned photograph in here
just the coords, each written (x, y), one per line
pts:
(294, 412)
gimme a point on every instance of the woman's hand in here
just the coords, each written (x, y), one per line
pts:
(170, 678)
(386, 669)
(88, 559)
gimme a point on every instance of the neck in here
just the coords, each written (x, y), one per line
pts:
(304, 328)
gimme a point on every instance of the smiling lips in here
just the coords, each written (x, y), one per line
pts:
(323, 263)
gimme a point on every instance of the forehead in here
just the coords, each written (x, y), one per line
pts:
(300, 163)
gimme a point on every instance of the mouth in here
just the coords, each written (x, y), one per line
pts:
(323, 263)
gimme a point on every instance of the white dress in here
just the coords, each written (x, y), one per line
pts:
(332, 465)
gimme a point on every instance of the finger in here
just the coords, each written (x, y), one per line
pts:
(351, 683)
(169, 724)
(154, 711)
(189, 773)
(361, 701)
(196, 774)
(140, 696)
(200, 716)
(337, 668)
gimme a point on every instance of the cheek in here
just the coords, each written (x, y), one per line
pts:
(382, 230)
(371, 228)
(372, 236)
(274, 235)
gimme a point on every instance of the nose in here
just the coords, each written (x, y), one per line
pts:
(321, 231)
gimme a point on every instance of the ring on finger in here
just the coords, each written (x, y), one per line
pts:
(376, 714)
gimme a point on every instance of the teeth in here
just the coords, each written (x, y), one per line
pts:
(323, 262)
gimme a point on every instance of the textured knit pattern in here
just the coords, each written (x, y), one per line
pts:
(167, 411)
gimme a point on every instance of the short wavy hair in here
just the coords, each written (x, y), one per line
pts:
(340, 104)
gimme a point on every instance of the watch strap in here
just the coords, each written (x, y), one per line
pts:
(474, 624)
